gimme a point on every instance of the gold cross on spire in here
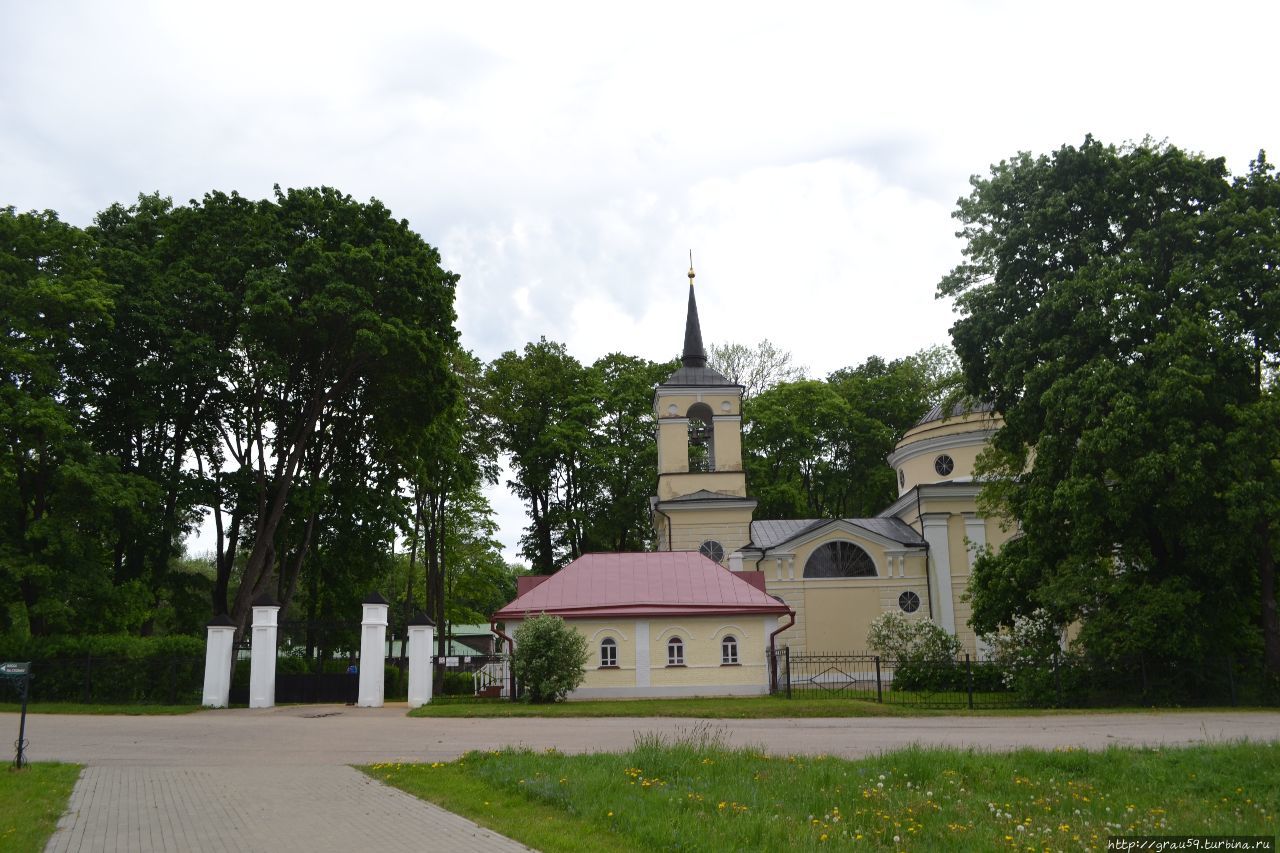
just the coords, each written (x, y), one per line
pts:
(691, 266)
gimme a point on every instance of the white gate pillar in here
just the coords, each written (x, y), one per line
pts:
(217, 662)
(262, 652)
(373, 640)
(421, 631)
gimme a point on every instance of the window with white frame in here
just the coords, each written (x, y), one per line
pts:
(608, 652)
(728, 650)
(675, 652)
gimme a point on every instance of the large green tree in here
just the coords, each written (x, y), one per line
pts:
(61, 500)
(280, 363)
(1120, 307)
(816, 449)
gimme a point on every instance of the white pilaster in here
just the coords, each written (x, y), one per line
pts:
(942, 606)
(373, 641)
(642, 654)
(421, 634)
(975, 530)
(217, 662)
(262, 653)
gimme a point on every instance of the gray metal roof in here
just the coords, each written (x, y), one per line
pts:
(697, 376)
(958, 409)
(767, 534)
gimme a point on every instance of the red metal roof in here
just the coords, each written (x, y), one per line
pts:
(642, 584)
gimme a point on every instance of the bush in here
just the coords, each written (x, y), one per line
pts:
(111, 668)
(550, 658)
(924, 654)
(1031, 657)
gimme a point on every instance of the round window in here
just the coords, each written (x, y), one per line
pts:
(909, 602)
(944, 465)
(713, 549)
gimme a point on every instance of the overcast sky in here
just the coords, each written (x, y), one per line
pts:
(565, 158)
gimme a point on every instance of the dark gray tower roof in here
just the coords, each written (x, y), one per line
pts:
(693, 369)
(694, 355)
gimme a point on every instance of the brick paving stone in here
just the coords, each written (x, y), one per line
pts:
(132, 808)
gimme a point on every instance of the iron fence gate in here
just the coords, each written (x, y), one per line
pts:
(962, 682)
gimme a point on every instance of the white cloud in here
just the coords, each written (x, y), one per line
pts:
(565, 157)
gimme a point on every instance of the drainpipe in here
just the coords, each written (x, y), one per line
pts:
(511, 665)
(928, 583)
(670, 532)
(773, 644)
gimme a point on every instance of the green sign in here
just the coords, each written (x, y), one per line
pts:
(14, 668)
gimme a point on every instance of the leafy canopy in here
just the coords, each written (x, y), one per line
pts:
(1120, 307)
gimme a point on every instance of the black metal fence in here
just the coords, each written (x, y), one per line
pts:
(964, 682)
(95, 679)
(1062, 681)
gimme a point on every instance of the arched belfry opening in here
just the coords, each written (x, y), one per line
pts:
(702, 438)
(702, 502)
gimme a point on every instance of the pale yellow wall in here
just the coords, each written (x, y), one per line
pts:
(722, 482)
(624, 634)
(919, 469)
(673, 447)
(834, 614)
(716, 398)
(702, 635)
(728, 435)
(690, 528)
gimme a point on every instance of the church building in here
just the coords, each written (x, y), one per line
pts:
(836, 574)
(701, 614)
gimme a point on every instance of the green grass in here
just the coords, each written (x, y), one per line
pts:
(79, 708)
(31, 801)
(693, 794)
(738, 707)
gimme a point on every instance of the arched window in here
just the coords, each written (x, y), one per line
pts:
(728, 650)
(608, 652)
(675, 652)
(839, 560)
(702, 443)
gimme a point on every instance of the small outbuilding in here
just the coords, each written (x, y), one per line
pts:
(671, 623)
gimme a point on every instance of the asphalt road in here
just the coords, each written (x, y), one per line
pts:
(335, 734)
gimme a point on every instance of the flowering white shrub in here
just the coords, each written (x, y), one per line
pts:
(895, 636)
(1029, 654)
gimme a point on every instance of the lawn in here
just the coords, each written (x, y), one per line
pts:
(80, 708)
(694, 794)
(31, 801)
(728, 708)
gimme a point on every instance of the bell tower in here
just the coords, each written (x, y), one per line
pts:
(702, 502)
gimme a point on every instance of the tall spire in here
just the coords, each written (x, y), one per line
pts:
(694, 355)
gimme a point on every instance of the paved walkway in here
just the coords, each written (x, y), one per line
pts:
(232, 809)
(279, 778)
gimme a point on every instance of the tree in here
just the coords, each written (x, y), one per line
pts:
(1120, 308)
(550, 658)
(816, 449)
(60, 498)
(623, 454)
(352, 320)
(542, 403)
(756, 369)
